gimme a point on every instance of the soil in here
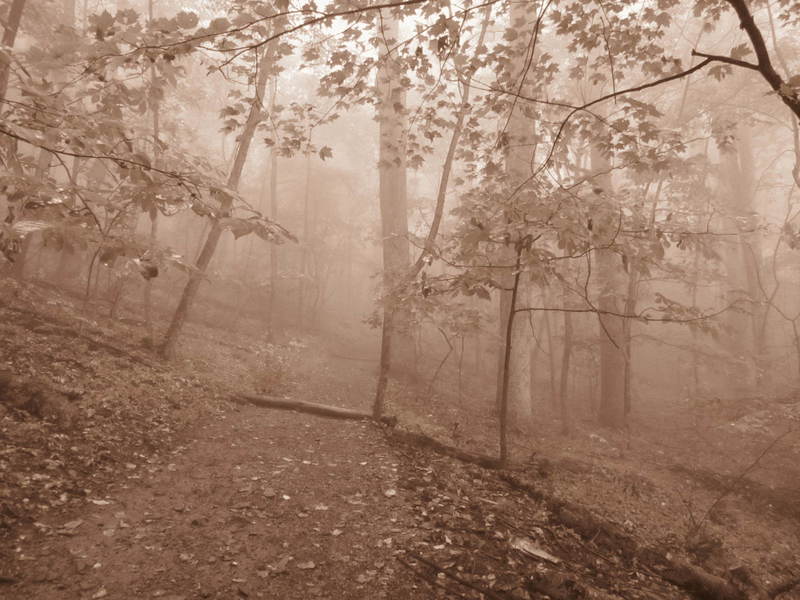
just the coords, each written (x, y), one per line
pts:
(133, 478)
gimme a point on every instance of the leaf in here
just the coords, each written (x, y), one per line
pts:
(719, 72)
(238, 227)
(186, 19)
(741, 51)
(482, 293)
(280, 566)
(527, 546)
(325, 152)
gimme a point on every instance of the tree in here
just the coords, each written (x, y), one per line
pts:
(11, 27)
(392, 194)
(255, 115)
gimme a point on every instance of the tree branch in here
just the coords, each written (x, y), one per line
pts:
(765, 66)
(726, 59)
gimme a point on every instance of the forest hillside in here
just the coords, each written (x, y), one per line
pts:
(125, 477)
(403, 298)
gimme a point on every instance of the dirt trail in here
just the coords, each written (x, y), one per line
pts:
(262, 504)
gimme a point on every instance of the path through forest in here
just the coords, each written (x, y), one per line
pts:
(131, 478)
(262, 504)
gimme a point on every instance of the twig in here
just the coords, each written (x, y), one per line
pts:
(739, 478)
(430, 580)
(485, 591)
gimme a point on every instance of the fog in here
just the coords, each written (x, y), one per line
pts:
(561, 229)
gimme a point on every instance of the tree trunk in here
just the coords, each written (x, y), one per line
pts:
(42, 167)
(153, 213)
(611, 412)
(273, 214)
(740, 259)
(392, 191)
(566, 355)
(9, 37)
(631, 299)
(519, 157)
(193, 285)
(305, 248)
(441, 196)
(551, 358)
(508, 340)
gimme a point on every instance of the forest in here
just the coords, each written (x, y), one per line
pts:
(487, 299)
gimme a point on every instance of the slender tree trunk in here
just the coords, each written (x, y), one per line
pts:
(551, 357)
(11, 25)
(305, 248)
(441, 195)
(740, 256)
(503, 399)
(193, 285)
(520, 154)
(273, 251)
(392, 191)
(631, 300)
(566, 355)
(273, 213)
(153, 214)
(42, 167)
(611, 411)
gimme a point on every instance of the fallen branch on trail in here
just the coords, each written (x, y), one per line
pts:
(312, 408)
(698, 582)
(423, 441)
(488, 593)
(335, 412)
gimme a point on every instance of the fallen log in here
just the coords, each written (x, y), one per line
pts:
(312, 408)
(423, 441)
(698, 582)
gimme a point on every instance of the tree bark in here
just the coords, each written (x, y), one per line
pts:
(764, 65)
(273, 214)
(566, 355)
(520, 152)
(300, 406)
(611, 411)
(738, 188)
(305, 247)
(503, 392)
(153, 213)
(13, 20)
(392, 191)
(193, 285)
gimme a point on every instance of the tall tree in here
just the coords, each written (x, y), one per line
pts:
(254, 117)
(273, 214)
(392, 192)
(155, 109)
(11, 27)
(742, 255)
(609, 283)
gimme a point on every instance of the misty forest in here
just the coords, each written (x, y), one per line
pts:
(362, 299)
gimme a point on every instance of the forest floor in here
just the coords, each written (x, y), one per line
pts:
(124, 477)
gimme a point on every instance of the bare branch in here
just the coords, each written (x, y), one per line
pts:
(726, 59)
